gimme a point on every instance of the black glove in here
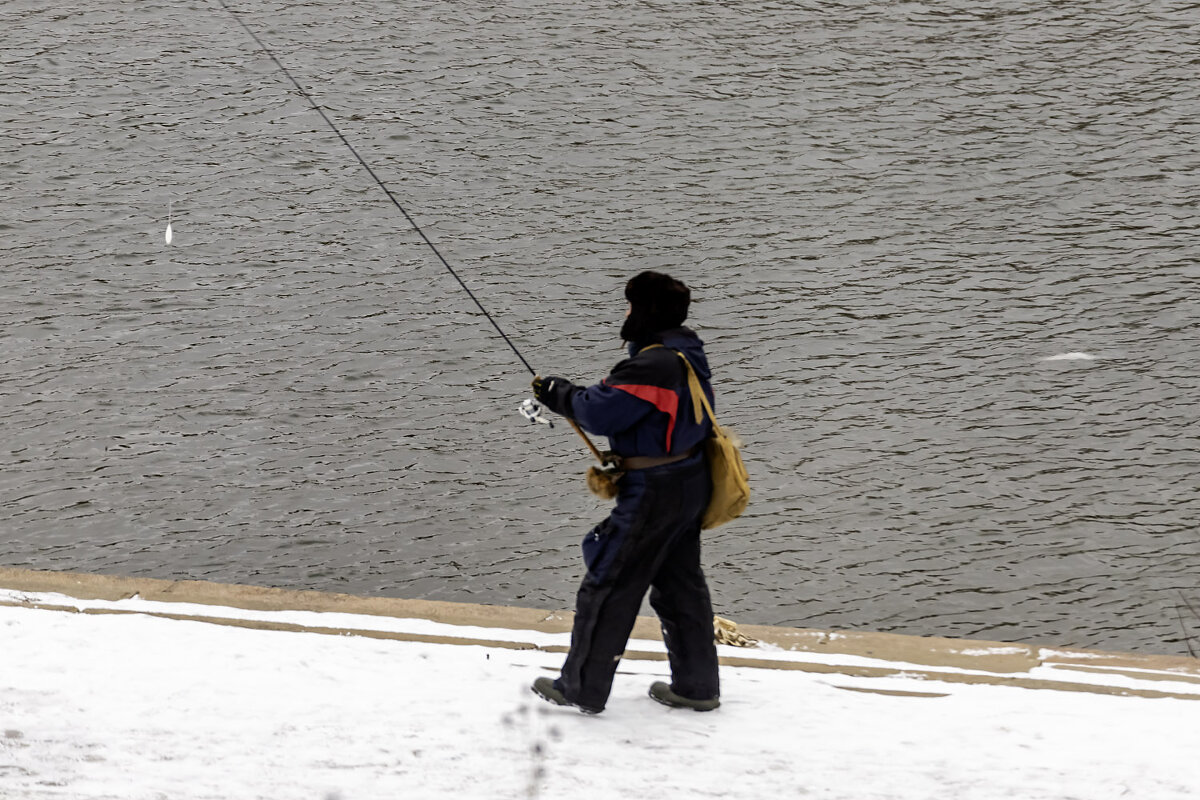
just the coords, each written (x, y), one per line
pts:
(554, 393)
(541, 387)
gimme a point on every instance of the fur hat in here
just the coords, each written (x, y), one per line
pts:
(658, 303)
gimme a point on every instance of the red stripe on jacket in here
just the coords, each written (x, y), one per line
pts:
(665, 400)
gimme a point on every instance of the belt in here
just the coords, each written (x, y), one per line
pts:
(645, 462)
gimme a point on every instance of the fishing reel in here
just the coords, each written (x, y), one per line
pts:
(532, 410)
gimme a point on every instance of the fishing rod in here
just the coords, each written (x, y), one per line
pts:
(528, 409)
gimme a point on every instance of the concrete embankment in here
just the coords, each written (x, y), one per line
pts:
(859, 654)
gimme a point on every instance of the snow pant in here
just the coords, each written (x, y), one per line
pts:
(651, 540)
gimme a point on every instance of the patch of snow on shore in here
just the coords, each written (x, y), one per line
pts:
(101, 706)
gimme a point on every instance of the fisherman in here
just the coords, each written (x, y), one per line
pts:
(651, 540)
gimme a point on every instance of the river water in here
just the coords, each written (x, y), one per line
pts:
(905, 224)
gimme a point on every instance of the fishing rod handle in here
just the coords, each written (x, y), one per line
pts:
(586, 439)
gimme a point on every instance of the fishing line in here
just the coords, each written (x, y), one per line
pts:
(371, 172)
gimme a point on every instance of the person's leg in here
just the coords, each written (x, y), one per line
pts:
(604, 618)
(622, 554)
(679, 595)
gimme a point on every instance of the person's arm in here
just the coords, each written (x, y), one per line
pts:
(601, 409)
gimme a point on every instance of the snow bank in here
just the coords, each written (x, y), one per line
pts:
(122, 703)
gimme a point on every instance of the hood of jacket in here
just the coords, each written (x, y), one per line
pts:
(684, 340)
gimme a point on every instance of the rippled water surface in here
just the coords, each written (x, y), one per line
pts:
(894, 217)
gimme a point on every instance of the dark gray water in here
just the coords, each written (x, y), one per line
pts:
(892, 214)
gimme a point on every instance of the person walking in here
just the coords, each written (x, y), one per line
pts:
(651, 539)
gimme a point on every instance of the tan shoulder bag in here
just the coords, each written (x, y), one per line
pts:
(731, 483)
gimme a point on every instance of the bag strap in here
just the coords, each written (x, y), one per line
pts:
(700, 402)
(699, 398)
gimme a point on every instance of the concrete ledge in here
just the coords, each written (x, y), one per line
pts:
(988, 662)
(87, 586)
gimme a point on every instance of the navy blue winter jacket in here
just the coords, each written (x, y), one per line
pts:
(644, 406)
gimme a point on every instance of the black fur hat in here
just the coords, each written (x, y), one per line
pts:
(659, 303)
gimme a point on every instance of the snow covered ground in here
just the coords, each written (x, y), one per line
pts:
(123, 703)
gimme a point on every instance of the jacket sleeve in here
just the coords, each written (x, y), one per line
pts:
(604, 411)
(601, 409)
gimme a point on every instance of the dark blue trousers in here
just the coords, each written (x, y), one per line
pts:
(651, 540)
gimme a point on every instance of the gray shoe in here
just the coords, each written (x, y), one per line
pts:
(662, 693)
(545, 689)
